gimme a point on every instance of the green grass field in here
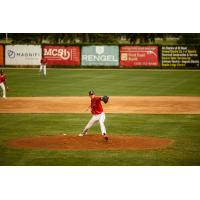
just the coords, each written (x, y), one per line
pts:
(183, 129)
(28, 82)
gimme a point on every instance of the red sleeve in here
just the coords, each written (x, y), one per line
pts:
(99, 98)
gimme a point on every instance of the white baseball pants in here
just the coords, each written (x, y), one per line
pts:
(4, 89)
(97, 118)
(44, 68)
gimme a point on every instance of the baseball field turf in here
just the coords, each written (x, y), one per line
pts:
(182, 129)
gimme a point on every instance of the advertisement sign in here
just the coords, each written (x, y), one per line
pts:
(1, 55)
(100, 56)
(62, 55)
(180, 56)
(139, 56)
(23, 54)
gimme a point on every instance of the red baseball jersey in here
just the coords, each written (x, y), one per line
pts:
(2, 78)
(43, 61)
(96, 107)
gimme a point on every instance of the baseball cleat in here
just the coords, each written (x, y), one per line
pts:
(105, 137)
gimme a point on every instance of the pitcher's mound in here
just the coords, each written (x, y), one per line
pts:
(90, 142)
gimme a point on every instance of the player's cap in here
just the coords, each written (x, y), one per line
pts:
(91, 92)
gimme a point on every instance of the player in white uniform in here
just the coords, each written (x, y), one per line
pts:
(43, 66)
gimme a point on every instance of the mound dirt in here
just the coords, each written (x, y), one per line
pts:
(91, 142)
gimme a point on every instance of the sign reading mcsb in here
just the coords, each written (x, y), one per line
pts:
(62, 55)
(1, 54)
(100, 56)
(139, 56)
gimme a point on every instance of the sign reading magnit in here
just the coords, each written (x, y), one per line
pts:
(100, 56)
(23, 54)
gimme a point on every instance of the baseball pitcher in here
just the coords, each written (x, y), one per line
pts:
(97, 114)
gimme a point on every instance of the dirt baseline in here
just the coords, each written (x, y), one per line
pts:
(91, 142)
(117, 104)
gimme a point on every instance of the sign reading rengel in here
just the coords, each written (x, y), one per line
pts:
(23, 54)
(100, 56)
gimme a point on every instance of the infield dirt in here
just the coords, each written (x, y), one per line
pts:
(116, 104)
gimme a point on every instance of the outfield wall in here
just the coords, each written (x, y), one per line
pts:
(123, 56)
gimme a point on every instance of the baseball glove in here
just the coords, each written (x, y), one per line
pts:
(105, 99)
